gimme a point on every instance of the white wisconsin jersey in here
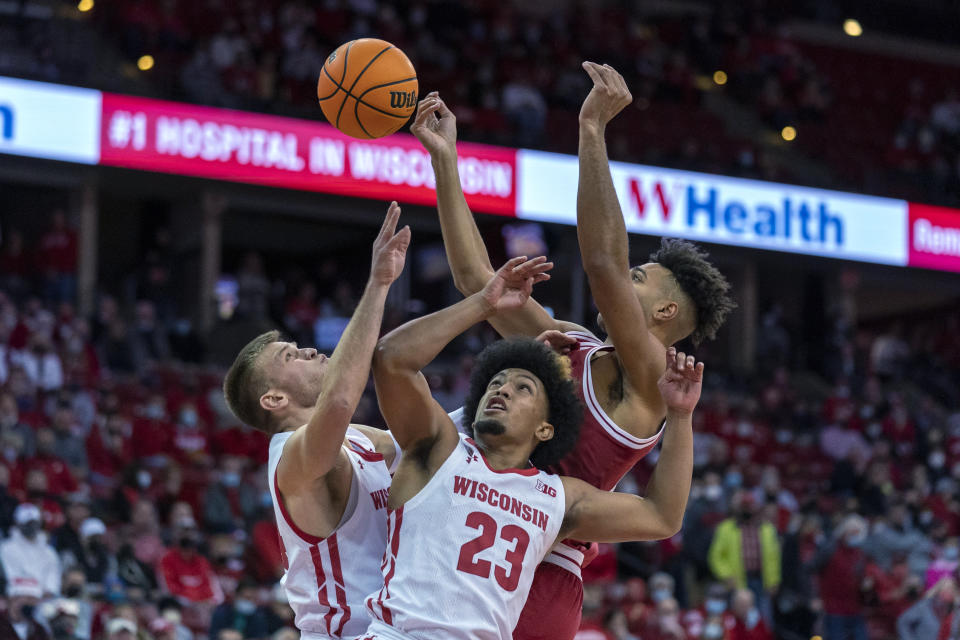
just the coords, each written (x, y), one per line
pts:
(462, 552)
(327, 579)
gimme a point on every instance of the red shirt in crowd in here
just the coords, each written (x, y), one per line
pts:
(840, 581)
(59, 479)
(739, 631)
(58, 251)
(151, 437)
(190, 577)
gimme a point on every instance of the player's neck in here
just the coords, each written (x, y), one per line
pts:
(503, 458)
(295, 418)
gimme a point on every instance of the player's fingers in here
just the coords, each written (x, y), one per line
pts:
(690, 362)
(541, 277)
(699, 368)
(512, 263)
(594, 74)
(390, 221)
(401, 240)
(671, 354)
(444, 111)
(532, 262)
(678, 362)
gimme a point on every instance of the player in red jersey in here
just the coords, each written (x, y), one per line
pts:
(643, 309)
(328, 479)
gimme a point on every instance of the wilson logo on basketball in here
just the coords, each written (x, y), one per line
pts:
(403, 99)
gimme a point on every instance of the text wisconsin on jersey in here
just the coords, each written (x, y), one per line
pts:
(480, 491)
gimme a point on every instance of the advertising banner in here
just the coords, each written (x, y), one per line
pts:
(731, 211)
(268, 150)
(49, 121)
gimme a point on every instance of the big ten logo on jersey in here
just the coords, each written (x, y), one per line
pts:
(545, 488)
(403, 99)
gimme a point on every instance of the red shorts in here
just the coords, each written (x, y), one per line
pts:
(553, 607)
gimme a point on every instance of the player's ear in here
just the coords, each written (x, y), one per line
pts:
(666, 310)
(544, 432)
(274, 400)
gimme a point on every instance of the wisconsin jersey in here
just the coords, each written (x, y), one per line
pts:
(604, 452)
(462, 553)
(327, 579)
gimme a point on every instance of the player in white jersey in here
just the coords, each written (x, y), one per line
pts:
(472, 517)
(329, 479)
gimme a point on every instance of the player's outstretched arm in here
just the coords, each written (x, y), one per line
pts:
(616, 517)
(436, 128)
(416, 420)
(602, 233)
(312, 451)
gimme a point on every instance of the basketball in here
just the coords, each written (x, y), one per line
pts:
(367, 88)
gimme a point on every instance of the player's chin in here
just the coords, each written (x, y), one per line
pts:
(489, 427)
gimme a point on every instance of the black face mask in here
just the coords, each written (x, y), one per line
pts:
(745, 515)
(73, 591)
(27, 611)
(187, 543)
(30, 530)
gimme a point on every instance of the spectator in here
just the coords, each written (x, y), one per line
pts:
(748, 623)
(240, 613)
(745, 552)
(96, 559)
(75, 588)
(18, 622)
(26, 554)
(58, 259)
(275, 615)
(924, 619)
(66, 538)
(62, 617)
(41, 363)
(56, 471)
(229, 502)
(185, 573)
(69, 445)
(841, 565)
(895, 535)
(946, 563)
(10, 423)
(149, 338)
(665, 622)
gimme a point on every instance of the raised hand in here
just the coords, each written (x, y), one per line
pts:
(608, 96)
(557, 340)
(390, 248)
(435, 126)
(512, 284)
(681, 382)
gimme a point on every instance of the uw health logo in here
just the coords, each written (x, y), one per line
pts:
(6, 122)
(403, 99)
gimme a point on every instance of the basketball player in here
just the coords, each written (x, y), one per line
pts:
(643, 310)
(472, 517)
(329, 479)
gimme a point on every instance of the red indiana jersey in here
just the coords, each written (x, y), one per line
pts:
(604, 452)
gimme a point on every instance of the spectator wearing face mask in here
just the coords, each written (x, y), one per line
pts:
(895, 536)
(17, 622)
(96, 560)
(665, 622)
(26, 553)
(190, 445)
(745, 552)
(184, 572)
(924, 619)
(841, 565)
(748, 623)
(240, 613)
(229, 503)
(75, 588)
(152, 432)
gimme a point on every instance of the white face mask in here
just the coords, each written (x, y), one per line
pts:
(713, 492)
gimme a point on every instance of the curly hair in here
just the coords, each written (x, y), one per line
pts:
(564, 410)
(700, 281)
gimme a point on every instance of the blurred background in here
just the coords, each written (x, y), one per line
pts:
(132, 503)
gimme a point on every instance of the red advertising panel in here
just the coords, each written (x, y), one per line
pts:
(206, 142)
(934, 237)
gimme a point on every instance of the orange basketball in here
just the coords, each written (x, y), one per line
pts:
(367, 88)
